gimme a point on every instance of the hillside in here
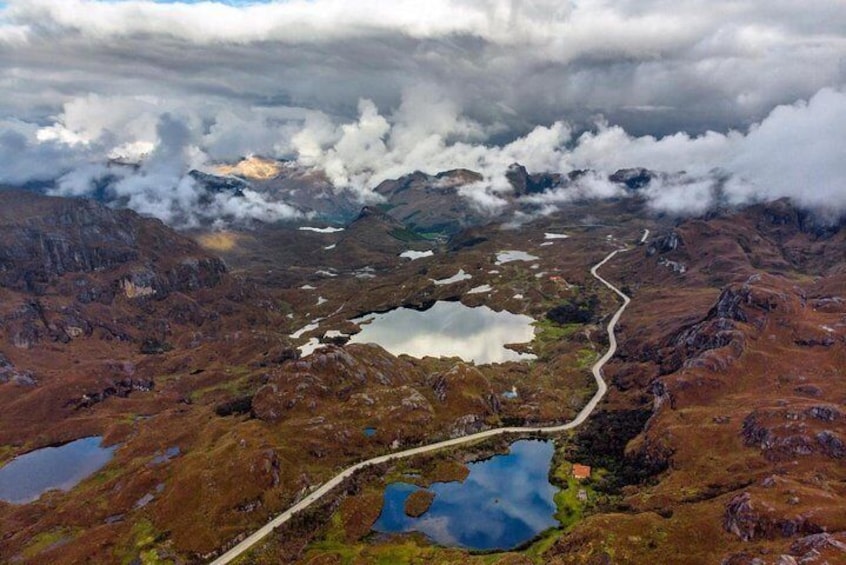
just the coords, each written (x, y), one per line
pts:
(724, 414)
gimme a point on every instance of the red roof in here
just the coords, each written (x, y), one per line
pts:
(581, 471)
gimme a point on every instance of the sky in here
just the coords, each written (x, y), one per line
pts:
(745, 94)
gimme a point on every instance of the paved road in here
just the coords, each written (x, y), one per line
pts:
(268, 528)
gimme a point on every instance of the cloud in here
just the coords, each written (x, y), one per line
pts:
(367, 95)
(796, 152)
(703, 64)
(160, 185)
(26, 158)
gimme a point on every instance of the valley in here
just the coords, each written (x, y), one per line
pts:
(485, 282)
(219, 367)
(336, 481)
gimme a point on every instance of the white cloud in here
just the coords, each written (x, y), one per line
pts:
(799, 151)
(161, 187)
(714, 63)
(24, 157)
(796, 151)
(371, 94)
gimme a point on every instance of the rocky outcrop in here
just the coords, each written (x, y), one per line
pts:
(9, 374)
(720, 338)
(823, 548)
(430, 203)
(824, 413)
(829, 304)
(817, 543)
(235, 407)
(714, 343)
(331, 374)
(466, 425)
(675, 266)
(120, 389)
(831, 444)
(373, 213)
(633, 179)
(458, 177)
(740, 518)
(664, 243)
(525, 184)
(78, 237)
(752, 301)
(784, 214)
(44, 239)
(220, 184)
(267, 468)
(783, 434)
(711, 334)
(466, 388)
(747, 521)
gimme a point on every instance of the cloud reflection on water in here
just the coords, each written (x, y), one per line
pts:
(449, 329)
(504, 502)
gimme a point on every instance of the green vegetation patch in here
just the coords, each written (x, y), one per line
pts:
(548, 331)
(540, 546)
(110, 473)
(6, 453)
(586, 357)
(548, 334)
(238, 384)
(46, 541)
(144, 539)
(404, 234)
(575, 496)
(432, 235)
(409, 548)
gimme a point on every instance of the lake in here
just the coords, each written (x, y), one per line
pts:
(30, 475)
(448, 329)
(504, 502)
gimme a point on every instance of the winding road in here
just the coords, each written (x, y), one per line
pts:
(588, 409)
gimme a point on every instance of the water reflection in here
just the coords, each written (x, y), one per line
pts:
(27, 477)
(449, 329)
(504, 502)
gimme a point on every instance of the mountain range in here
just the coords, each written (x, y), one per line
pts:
(721, 439)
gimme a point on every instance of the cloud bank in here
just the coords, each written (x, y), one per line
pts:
(747, 98)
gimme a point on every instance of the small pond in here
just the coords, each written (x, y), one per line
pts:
(504, 502)
(448, 329)
(27, 477)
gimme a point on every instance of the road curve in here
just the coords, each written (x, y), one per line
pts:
(588, 409)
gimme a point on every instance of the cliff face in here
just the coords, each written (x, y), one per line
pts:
(90, 299)
(66, 236)
(46, 238)
(63, 260)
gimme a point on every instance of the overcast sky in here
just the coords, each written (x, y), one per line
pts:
(368, 88)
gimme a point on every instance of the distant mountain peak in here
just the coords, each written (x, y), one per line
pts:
(252, 168)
